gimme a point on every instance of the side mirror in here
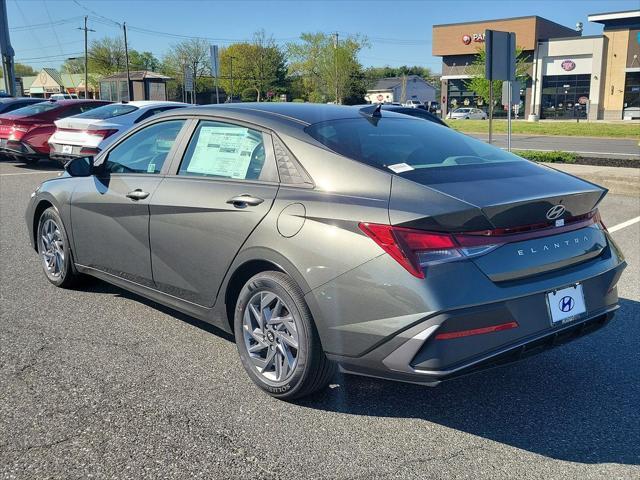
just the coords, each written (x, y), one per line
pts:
(80, 167)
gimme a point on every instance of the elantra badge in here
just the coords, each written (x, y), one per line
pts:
(555, 212)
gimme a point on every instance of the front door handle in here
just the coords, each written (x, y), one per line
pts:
(241, 201)
(137, 194)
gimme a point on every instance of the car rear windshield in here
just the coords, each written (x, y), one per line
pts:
(36, 108)
(404, 144)
(108, 111)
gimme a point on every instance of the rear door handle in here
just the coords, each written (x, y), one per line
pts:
(137, 194)
(242, 201)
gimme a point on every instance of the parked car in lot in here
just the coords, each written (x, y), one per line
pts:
(64, 96)
(9, 104)
(27, 130)
(467, 113)
(89, 132)
(413, 112)
(413, 104)
(324, 235)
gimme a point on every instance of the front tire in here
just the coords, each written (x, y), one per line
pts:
(54, 251)
(277, 340)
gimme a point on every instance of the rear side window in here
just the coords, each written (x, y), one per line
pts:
(225, 150)
(404, 144)
(36, 108)
(108, 111)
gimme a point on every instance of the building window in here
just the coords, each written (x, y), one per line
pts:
(565, 96)
(631, 103)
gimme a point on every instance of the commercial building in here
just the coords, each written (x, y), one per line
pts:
(567, 75)
(49, 81)
(401, 89)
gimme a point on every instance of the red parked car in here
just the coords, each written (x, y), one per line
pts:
(24, 133)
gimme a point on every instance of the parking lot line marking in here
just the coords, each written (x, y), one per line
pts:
(29, 173)
(622, 225)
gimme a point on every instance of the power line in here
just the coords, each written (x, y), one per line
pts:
(42, 25)
(96, 13)
(53, 28)
(63, 55)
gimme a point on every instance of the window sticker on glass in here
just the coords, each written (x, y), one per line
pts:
(223, 151)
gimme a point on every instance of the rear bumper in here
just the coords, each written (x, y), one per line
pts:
(20, 150)
(400, 366)
(76, 152)
(395, 329)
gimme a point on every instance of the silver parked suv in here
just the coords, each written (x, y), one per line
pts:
(326, 236)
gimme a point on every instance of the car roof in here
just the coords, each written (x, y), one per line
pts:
(20, 99)
(152, 103)
(74, 101)
(287, 117)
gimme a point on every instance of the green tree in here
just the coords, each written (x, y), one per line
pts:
(329, 71)
(480, 85)
(73, 65)
(187, 55)
(372, 74)
(107, 56)
(259, 65)
(143, 61)
(22, 70)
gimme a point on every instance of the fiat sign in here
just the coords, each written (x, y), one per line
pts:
(568, 65)
(466, 39)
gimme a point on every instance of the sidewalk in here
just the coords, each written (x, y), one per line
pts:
(620, 181)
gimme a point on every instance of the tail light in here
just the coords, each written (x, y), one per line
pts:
(417, 249)
(102, 133)
(18, 131)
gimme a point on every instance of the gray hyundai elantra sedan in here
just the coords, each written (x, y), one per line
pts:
(325, 236)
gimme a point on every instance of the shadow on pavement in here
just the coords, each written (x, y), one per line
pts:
(579, 402)
(44, 164)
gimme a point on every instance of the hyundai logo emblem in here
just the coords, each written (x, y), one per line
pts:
(555, 212)
(566, 303)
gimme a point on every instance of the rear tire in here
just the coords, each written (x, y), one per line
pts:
(54, 251)
(277, 340)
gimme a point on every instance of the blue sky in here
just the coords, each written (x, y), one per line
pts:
(44, 32)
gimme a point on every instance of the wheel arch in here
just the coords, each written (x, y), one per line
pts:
(40, 207)
(248, 264)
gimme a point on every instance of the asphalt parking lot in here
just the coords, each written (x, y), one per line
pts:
(101, 383)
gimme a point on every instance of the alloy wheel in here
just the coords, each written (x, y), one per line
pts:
(270, 336)
(52, 248)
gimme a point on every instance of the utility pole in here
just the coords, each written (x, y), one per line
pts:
(195, 82)
(126, 59)
(6, 51)
(231, 60)
(335, 62)
(86, 57)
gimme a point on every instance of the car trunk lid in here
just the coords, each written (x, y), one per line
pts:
(520, 207)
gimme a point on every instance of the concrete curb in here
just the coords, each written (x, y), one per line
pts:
(619, 180)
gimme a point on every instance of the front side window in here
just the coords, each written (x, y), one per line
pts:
(146, 150)
(226, 151)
